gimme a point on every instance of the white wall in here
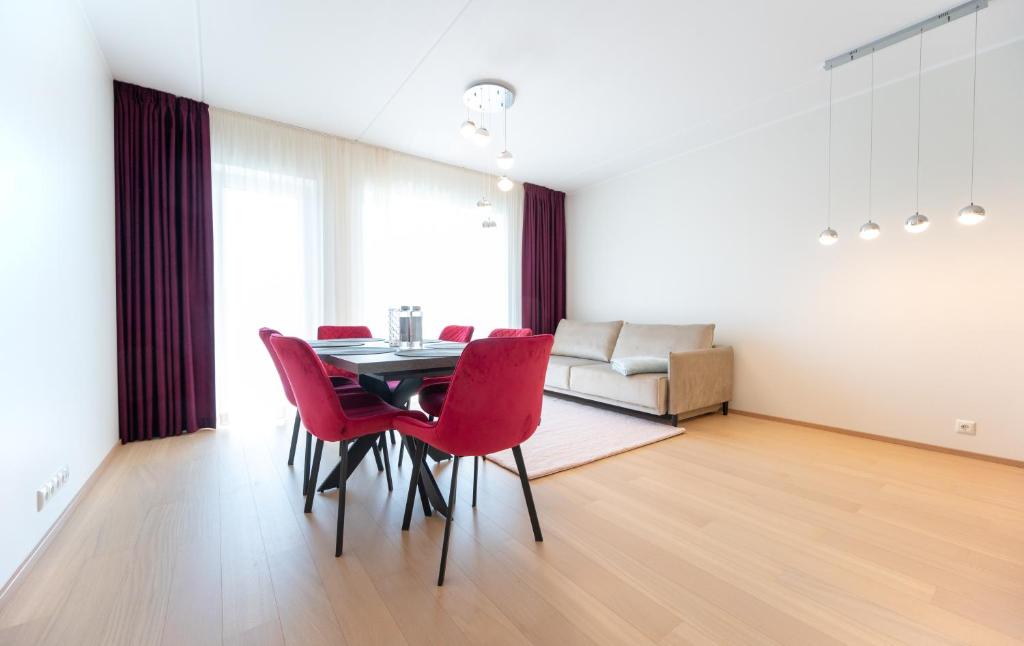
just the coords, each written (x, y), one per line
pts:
(58, 379)
(897, 337)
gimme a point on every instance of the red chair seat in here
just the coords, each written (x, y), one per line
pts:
(431, 398)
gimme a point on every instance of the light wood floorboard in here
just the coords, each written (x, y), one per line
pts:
(742, 531)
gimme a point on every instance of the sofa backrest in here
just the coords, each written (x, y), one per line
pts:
(659, 340)
(586, 340)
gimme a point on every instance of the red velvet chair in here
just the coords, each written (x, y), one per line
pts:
(342, 386)
(502, 332)
(432, 393)
(493, 404)
(328, 417)
(342, 332)
(457, 333)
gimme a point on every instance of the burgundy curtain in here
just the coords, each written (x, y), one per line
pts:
(164, 237)
(543, 258)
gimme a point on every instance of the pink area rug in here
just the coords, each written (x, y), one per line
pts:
(572, 434)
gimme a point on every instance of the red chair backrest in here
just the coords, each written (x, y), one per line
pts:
(495, 397)
(509, 331)
(457, 333)
(343, 332)
(265, 334)
(315, 397)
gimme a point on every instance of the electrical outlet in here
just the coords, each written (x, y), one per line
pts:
(51, 487)
(966, 427)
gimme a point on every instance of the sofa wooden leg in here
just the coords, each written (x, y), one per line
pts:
(675, 420)
(725, 408)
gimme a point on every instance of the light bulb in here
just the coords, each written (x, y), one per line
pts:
(971, 214)
(916, 223)
(467, 129)
(505, 184)
(870, 231)
(505, 160)
(828, 237)
(481, 137)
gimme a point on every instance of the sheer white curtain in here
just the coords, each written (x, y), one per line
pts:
(313, 229)
(422, 242)
(268, 205)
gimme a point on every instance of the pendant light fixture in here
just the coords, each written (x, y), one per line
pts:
(484, 208)
(870, 230)
(485, 98)
(918, 222)
(828, 236)
(505, 159)
(973, 213)
(482, 136)
(468, 127)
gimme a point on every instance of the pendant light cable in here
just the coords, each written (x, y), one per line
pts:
(974, 101)
(828, 155)
(871, 136)
(920, 58)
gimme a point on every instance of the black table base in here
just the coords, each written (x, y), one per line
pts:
(429, 492)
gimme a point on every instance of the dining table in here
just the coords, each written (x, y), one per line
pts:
(395, 375)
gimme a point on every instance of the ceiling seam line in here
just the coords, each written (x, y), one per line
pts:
(415, 69)
(199, 53)
(710, 123)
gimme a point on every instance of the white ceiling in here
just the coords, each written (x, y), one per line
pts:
(603, 87)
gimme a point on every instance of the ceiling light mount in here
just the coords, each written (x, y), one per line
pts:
(488, 97)
(941, 19)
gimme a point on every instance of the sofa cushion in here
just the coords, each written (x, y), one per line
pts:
(558, 369)
(659, 340)
(586, 340)
(649, 390)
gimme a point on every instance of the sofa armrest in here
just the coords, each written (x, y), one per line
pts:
(699, 378)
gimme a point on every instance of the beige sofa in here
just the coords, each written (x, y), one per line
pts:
(699, 377)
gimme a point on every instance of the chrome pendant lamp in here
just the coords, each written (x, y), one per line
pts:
(828, 236)
(918, 222)
(973, 213)
(870, 230)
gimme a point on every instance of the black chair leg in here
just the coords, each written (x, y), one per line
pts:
(518, 453)
(448, 520)
(387, 461)
(313, 472)
(476, 461)
(401, 452)
(391, 433)
(305, 462)
(376, 456)
(295, 439)
(342, 481)
(416, 450)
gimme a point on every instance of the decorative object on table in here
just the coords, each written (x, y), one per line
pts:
(410, 328)
(394, 325)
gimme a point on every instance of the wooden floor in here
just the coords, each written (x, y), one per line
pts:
(742, 531)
